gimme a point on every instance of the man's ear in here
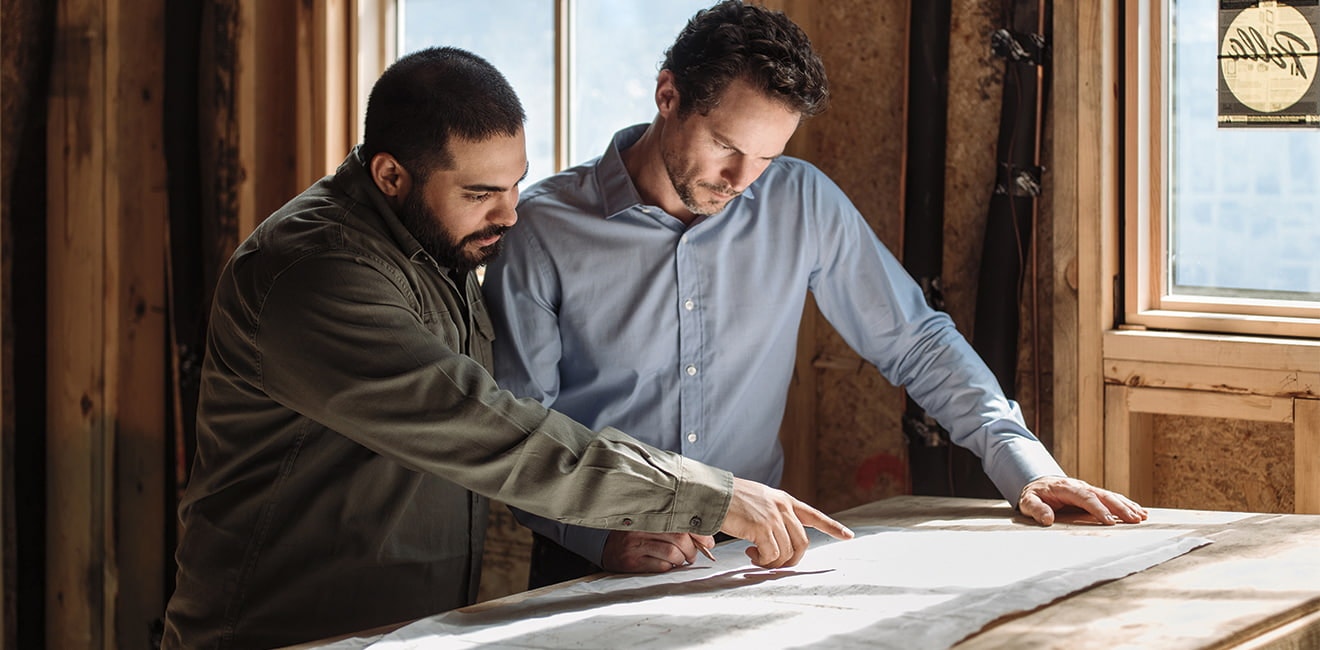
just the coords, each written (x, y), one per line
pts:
(666, 94)
(390, 176)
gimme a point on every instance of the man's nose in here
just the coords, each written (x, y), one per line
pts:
(506, 211)
(741, 173)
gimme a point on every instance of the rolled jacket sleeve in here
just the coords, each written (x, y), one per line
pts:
(343, 343)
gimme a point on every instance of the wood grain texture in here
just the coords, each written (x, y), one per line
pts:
(135, 396)
(1083, 195)
(76, 415)
(1306, 456)
(1193, 601)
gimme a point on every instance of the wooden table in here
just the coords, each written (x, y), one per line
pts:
(1256, 586)
(1240, 592)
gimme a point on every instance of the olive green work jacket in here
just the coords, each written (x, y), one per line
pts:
(347, 425)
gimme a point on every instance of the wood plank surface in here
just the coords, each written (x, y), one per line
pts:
(1258, 583)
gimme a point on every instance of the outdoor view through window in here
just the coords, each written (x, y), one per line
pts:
(616, 50)
(1244, 203)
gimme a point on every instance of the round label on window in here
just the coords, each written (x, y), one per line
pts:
(1267, 57)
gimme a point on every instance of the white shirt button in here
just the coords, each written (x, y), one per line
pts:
(646, 210)
(689, 305)
(683, 239)
(692, 436)
(691, 370)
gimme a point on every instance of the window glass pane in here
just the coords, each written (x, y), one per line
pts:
(1244, 203)
(618, 48)
(516, 36)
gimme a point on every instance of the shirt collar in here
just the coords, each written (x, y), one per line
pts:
(618, 193)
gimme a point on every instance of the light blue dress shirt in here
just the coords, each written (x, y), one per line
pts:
(616, 313)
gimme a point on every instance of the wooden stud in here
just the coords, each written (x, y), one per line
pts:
(1129, 451)
(1083, 183)
(76, 414)
(135, 222)
(1306, 456)
(105, 410)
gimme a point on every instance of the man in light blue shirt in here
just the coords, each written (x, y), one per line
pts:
(659, 289)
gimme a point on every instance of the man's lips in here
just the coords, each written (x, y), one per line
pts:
(488, 238)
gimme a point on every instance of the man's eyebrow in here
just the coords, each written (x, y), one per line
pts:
(478, 187)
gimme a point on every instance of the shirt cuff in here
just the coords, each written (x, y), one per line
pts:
(587, 542)
(1023, 461)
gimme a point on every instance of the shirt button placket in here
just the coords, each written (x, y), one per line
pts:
(690, 345)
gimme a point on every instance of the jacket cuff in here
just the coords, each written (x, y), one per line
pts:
(702, 498)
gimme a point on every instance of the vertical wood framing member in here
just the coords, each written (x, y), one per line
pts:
(1306, 456)
(1129, 459)
(105, 383)
(324, 93)
(136, 211)
(76, 528)
(1084, 187)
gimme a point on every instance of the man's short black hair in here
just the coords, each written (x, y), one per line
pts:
(732, 40)
(431, 95)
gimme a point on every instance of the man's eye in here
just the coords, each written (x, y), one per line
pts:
(478, 198)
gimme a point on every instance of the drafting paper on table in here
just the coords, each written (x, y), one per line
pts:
(887, 588)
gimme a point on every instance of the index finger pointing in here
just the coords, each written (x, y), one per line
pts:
(810, 516)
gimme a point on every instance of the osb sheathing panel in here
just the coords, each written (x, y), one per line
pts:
(859, 143)
(1217, 464)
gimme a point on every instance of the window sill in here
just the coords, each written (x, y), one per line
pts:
(1226, 363)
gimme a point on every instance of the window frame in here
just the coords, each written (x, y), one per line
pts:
(1145, 302)
(390, 13)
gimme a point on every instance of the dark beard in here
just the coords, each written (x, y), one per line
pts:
(425, 226)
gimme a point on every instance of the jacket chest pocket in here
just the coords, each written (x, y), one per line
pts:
(481, 342)
(444, 326)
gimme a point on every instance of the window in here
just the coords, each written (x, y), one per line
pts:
(583, 68)
(1222, 167)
